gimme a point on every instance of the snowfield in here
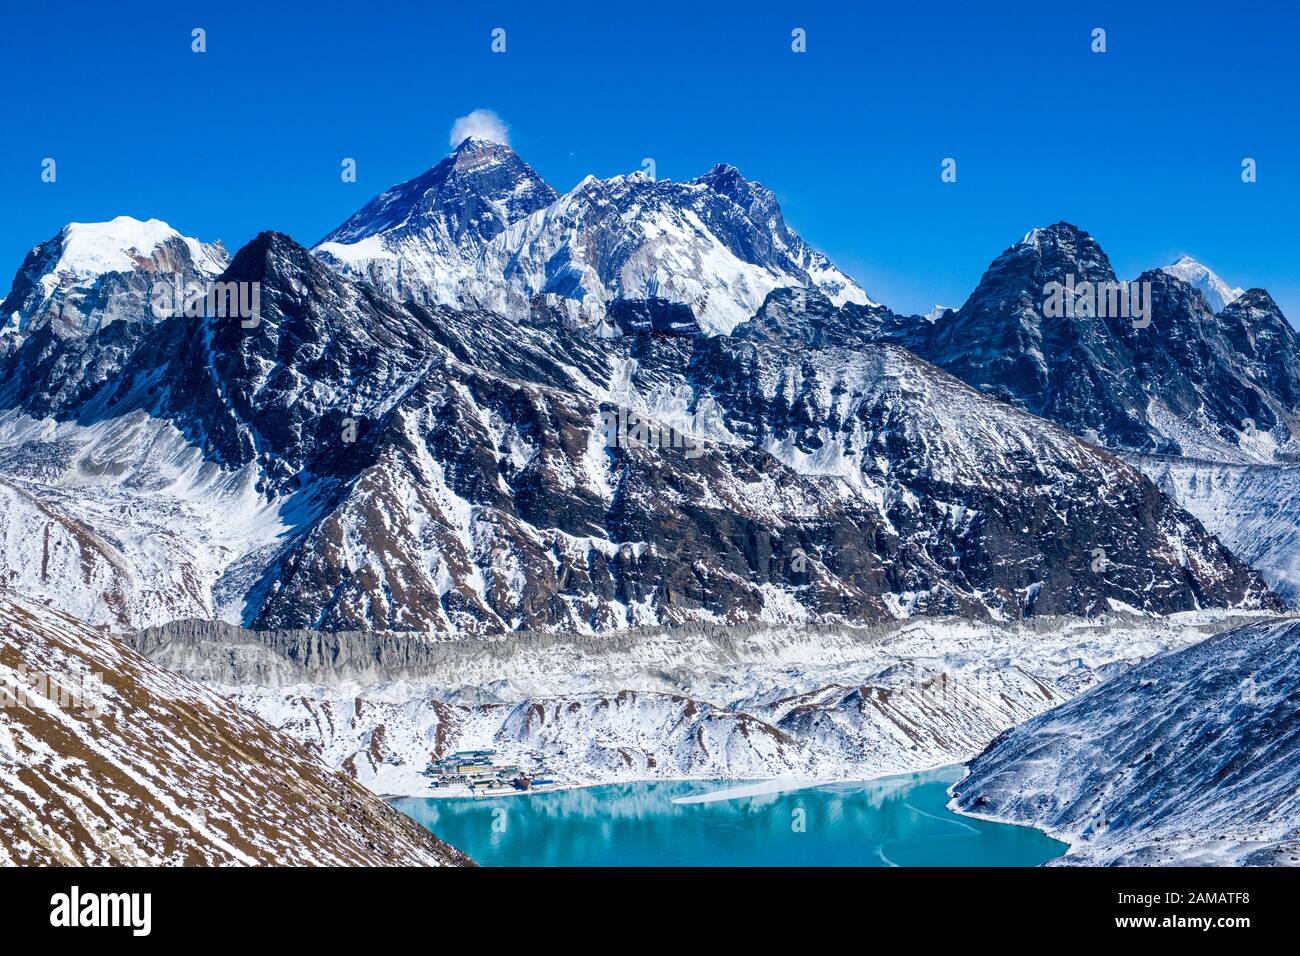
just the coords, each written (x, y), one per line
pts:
(1253, 509)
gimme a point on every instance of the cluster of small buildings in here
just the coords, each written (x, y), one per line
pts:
(477, 770)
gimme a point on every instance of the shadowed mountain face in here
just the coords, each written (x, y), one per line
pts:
(1179, 380)
(348, 461)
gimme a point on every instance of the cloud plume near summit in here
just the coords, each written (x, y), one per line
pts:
(483, 124)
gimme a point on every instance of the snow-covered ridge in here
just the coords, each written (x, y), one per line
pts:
(354, 461)
(481, 229)
(1190, 758)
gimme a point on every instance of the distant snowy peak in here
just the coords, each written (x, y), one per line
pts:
(1218, 295)
(124, 243)
(481, 229)
(90, 272)
(717, 244)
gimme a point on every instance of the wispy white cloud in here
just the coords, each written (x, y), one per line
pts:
(483, 124)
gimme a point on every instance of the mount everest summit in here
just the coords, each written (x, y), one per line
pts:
(482, 230)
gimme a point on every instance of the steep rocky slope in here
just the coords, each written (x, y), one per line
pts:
(1254, 510)
(1191, 757)
(108, 759)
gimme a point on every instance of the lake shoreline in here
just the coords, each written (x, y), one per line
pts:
(893, 820)
(446, 793)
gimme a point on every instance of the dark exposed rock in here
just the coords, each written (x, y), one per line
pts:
(640, 316)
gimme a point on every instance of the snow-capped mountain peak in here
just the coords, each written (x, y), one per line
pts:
(104, 268)
(473, 144)
(121, 244)
(1218, 294)
(482, 230)
(462, 202)
(423, 239)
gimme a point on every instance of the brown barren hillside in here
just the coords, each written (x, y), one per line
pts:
(108, 759)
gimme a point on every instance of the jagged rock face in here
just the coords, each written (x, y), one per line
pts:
(1207, 397)
(1189, 758)
(93, 274)
(108, 759)
(482, 230)
(1190, 383)
(352, 462)
(1222, 387)
(806, 316)
(1264, 345)
(847, 497)
(994, 499)
(1225, 387)
(639, 316)
(1073, 371)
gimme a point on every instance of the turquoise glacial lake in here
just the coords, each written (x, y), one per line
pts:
(892, 821)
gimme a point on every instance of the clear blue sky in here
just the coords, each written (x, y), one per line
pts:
(1142, 145)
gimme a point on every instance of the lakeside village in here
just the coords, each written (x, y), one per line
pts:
(476, 773)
